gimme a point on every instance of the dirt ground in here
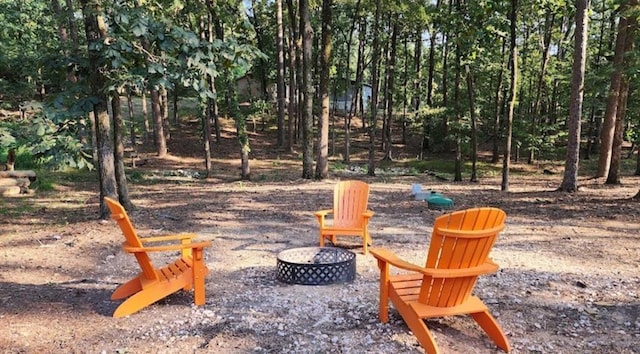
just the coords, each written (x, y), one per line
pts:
(569, 278)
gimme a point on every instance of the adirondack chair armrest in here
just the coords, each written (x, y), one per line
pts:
(470, 233)
(386, 256)
(368, 215)
(391, 258)
(168, 238)
(321, 214)
(164, 248)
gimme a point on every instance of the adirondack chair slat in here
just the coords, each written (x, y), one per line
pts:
(458, 254)
(349, 215)
(153, 284)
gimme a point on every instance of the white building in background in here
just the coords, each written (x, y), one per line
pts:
(344, 101)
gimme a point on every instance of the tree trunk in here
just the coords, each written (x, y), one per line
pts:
(391, 70)
(145, 115)
(375, 70)
(281, 93)
(570, 180)
(130, 115)
(474, 130)
(95, 30)
(206, 132)
(118, 129)
(512, 93)
(322, 162)
(294, 78)
(608, 125)
(307, 89)
(73, 27)
(241, 131)
(497, 103)
(158, 127)
(613, 176)
(458, 116)
(356, 88)
(164, 104)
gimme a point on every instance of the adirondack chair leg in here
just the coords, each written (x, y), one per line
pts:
(139, 301)
(127, 289)
(419, 329)
(489, 324)
(383, 307)
(199, 273)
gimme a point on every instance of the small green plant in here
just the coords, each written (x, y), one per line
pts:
(338, 166)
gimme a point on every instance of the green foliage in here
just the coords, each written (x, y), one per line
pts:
(50, 140)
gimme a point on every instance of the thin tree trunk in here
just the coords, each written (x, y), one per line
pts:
(616, 149)
(608, 125)
(375, 69)
(307, 89)
(570, 179)
(281, 93)
(158, 127)
(474, 130)
(145, 114)
(164, 104)
(292, 107)
(391, 70)
(497, 102)
(73, 27)
(322, 160)
(118, 128)
(356, 88)
(132, 127)
(512, 93)
(458, 116)
(95, 30)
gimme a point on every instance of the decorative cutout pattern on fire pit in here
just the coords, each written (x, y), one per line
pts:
(316, 266)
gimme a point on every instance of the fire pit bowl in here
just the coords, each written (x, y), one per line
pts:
(316, 266)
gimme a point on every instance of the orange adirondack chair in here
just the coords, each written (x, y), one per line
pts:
(458, 254)
(153, 284)
(350, 214)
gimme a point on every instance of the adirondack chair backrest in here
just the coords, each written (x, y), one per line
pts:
(350, 200)
(131, 237)
(459, 252)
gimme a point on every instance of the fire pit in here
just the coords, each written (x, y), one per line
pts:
(316, 266)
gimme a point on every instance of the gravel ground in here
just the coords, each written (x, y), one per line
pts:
(569, 279)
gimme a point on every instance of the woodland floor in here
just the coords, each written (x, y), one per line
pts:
(569, 279)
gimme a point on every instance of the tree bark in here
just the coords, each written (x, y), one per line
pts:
(294, 78)
(391, 69)
(280, 87)
(322, 160)
(95, 30)
(498, 102)
(474, 130)
(570, 179)
(616, 148)
(375, 70)
(118, 131)
(158, 127)
(512, 93)
(613, 177)
(608, 125)
(307, 89)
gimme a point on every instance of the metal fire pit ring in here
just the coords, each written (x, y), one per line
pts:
(316, 266)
